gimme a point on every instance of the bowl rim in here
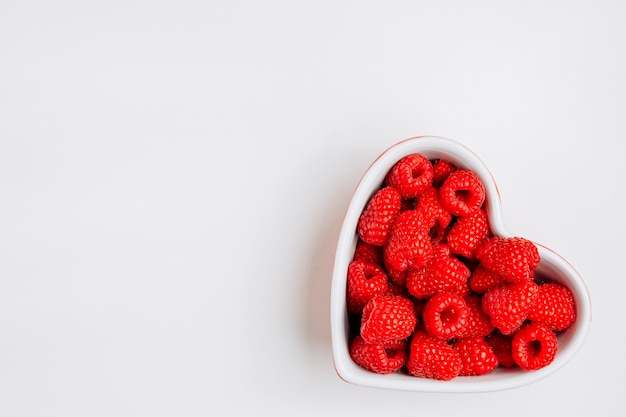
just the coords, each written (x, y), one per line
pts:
(435, 147)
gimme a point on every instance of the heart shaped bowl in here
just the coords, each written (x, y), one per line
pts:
(552, 265)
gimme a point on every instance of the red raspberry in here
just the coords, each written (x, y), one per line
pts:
(442, 273)
(409, 243)
(365, 280)
(534, 346)
(508, 305)
(366, 252)
(431, 357)
(442, 170)
(378, 216)
(533, 254)
(382, 358)
(482, 280)
(431, 209)
(554, 307)
(445, 315)
(477, 356)
(478, 322)
(501, 346)
(394, 289)
(396, 276)
(463, 290)
(462, 193)
(387, 317)
(467, 233)
(512, 257)
(411, 175)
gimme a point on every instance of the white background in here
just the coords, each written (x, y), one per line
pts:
(173, 177)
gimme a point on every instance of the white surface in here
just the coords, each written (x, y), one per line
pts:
(173, 178)
(552, 266)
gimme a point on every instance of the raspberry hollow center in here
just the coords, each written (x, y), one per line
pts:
(464, 196)
(449, 316)
(533, 348)
(417, 171)
(392, 352)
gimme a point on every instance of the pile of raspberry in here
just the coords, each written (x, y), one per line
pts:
(433, 293)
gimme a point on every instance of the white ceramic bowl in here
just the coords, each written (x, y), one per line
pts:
(551, 265)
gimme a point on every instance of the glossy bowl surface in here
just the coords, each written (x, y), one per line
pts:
(552, 265)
